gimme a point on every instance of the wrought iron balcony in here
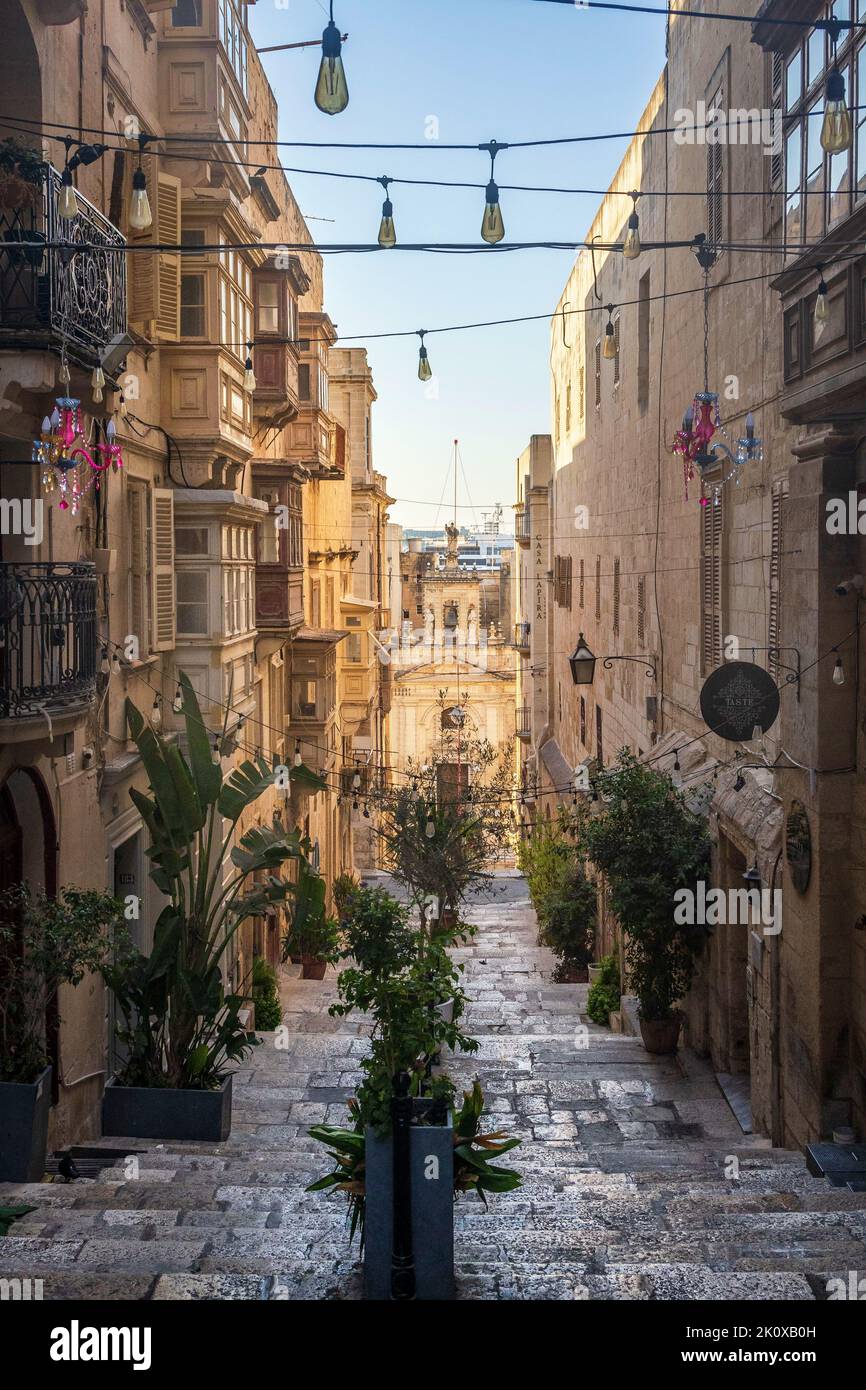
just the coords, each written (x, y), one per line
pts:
(51, 298)
(521, 636)
(521, 526)
(523, 722)
(47, 638)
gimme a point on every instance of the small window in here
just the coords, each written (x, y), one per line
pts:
(192, 236)
(304, 381)
(192, 306)
(192, 606)
(186, 14)
(268, 307)
(191, 540)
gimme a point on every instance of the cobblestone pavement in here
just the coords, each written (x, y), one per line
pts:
(624, 1160)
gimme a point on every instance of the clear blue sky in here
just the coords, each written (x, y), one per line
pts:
(487, 69)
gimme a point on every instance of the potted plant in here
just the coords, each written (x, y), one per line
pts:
(396, 974)
(44, 943)
(181, 1032)
(312, 936)
(648, 844)
(266, 996)
(604, 992)
(343, 889)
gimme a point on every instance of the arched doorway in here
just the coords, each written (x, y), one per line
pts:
(28, 854)
(20, 76)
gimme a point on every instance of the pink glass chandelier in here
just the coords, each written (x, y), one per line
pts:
(71, 463)
(703, 441)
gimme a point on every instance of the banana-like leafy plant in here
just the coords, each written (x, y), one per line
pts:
(180, 1028)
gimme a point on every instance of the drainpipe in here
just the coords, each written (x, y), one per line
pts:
(776, 1124)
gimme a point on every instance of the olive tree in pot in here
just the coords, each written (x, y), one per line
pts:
(44, 943)
(648, 844)
(395, 974)
(181, 1032)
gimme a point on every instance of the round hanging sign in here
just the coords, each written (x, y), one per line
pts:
(736, 698)
(798, 846)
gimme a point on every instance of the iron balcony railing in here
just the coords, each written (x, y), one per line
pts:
(521, 525)
(65, 296)
(521, 635)
(47, 637)
(523, 721)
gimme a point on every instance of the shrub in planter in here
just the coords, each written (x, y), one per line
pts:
(344, 888)
(266, 996)
(648, 844)
(180, 1030)
(603, 998)
(398, 976)
(313, 936)
(545, 859)
(44, 943)
(569, 930)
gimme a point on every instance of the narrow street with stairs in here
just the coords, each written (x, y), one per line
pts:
(638, 1182)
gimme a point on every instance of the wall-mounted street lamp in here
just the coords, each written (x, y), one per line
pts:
(650, 667)
(582, 663)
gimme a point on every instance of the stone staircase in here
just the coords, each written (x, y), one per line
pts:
(638, 1183)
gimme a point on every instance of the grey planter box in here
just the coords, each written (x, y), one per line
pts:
(153, 1112)
(24, 1111)
(432, 1164)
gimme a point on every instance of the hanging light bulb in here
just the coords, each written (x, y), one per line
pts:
(249, 374)
(356, 782)
(822, 305)
(631, 245)
(610, 349)
(838, 672)
(97, 381)
(156, 712)
(430, 828)
(67, 202)
(677, 775)
(105, 664)
(140, 215)
(123, 408)
(425, 371)
(387, 231)
(493, 225)
(116, 666)
(366, 810)
(177, 702)
(298, 758)
(355, 803)
(836, 125)
(332, 90)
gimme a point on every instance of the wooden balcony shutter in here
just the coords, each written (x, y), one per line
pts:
(138, 615)
(597, 588)
(616, 597)
(774, 616)
(716, 178)
(567, 577)
(168, 268)
(154, 279)
(582, 584)
(141, 272)
(712, 532)
(641, 610)
(163, 570)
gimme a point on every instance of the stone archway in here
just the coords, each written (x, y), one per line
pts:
(20, 74)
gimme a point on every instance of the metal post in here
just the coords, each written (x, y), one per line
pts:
(402, 1254)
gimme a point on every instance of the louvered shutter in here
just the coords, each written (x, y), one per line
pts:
(711, 585)
(715, 180)
(168, 263)
(616, 597)
(777, 71)
(163, 604)
(142, 266)
(641, 610)
(137, 616)
(774, 617)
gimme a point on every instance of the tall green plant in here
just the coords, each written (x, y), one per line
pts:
(45, 943)
(180, 1028)
(648, 844)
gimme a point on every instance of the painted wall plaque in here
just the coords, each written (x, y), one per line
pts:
(736, 698)
(798, 846)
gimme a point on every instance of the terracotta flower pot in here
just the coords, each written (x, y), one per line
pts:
(660, 1035)
(313, 969)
